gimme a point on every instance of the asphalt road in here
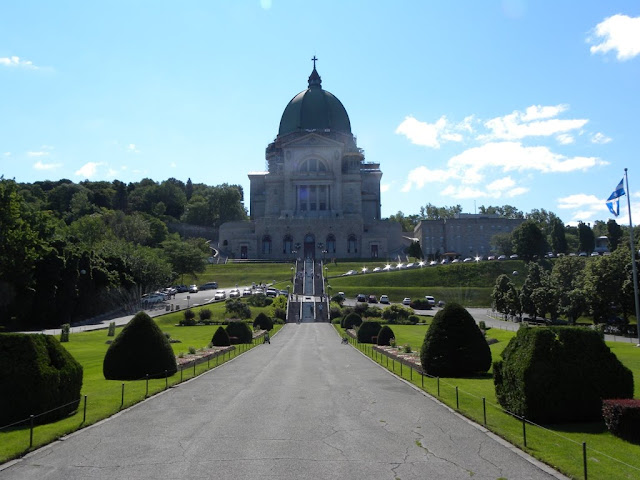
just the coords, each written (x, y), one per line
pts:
(305, 406)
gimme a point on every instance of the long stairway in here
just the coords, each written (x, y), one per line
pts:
(307, 303)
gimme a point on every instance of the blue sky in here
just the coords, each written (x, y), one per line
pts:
(529, 103)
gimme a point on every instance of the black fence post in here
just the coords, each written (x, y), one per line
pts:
(181, 370)
(208, 358)
(457, 400)
(400, 369)
(84, 414)
(31, 431)
(122, 396)
(524, 430)
(484, 409)
(147, 391)
(584, 459)
(438, 378)
(194, 368)
(166, 379)
(422, 375)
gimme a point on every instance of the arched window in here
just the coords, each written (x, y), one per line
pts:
(266, 245)
(313, 165)
(287, 244)
(351, 244)
(331, 244)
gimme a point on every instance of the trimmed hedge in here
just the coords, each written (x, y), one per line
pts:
(559, 374)
(220, 338)
(37, 375)
(454, 345)
(140, 349)
(622, 417)
(263, 322)
(385, 335)
(368, 330)
(351, 320)
(241, 332)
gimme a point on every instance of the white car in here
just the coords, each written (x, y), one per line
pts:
(384, 299)
(433, 263)
(406, 301)
(233, 293)
(246, 292)
(193, 289)
(377, 269)
(220, 295)
(431, 300)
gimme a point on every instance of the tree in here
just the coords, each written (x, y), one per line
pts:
(586, 238)
(529, 241)
(506, 211)
(454, 346)
(431, 212)
(557, 238)
(614, 233)
(502, 243)
(499, 294)
(414, 250)
(533, 281)
(236, 308)
(183, 256)
(188, 189)
(604, 284)
(567, 277)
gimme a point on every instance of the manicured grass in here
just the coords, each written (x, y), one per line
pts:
(104, 397)
(468, 284)
(233, 274)
(557, 445)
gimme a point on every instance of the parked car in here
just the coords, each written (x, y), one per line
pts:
(220, 295)
(361, 297)
(406, 301)
(209, 286)
(377, 269)
(181, 288)
(433, 263)
(373, 299)
(152, 299)
(431, 300)
(272, 292)
(502, 257)
(491, 257)
(514, 256)
(384, 299)
(234, 293)
(193, 289)
(467, 260)
(246, 292)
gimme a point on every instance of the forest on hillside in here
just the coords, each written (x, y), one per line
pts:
(70, 251)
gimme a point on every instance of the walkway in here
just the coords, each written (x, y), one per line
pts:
(303, 407)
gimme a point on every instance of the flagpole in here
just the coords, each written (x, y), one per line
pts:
(633, 258)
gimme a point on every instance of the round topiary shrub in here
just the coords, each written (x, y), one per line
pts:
(220, 338)
(368, 330)
(37, 374)
(414, 319)
(559, 374)
(236, 308)
(454, 345)
(204, 314)
(189, 318)
(352, 320)
(263, 322)
(140, 349)
(396, 314)
(239, 332)
(385, 335)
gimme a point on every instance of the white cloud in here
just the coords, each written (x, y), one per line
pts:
(46, 166)
(580, 200)
(536, 121)
(600, 138)
(384, 187)
(265, 4)
(422, 175)
(432, 134)
(502, 187)
(132, 148)
(88, 170)
(620, 33)
(173, 165)
(7, 154)
(565, 139)
(37, 154)
(14, 61)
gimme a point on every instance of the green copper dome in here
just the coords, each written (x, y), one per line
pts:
(314, 108)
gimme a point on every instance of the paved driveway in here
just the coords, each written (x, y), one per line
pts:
(305, 406)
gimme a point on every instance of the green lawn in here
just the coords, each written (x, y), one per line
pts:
(104, 397)
(244, 274)
(557, 445)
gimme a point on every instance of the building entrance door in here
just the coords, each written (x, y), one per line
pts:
(243, 251)
(309, 246)
(374, 251)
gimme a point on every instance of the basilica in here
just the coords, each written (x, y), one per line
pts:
(319, 198)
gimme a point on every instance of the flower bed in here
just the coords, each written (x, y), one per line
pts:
(410, 359)
(187, 359)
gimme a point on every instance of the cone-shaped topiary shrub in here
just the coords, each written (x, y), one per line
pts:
(559, 374)
(37, 374)
(241, 332)
(352, 320)
(220, 338)
(263, 322)
(140, 349)
(454, 345)
(385, 335)
(368, 330)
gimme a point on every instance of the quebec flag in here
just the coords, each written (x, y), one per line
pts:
(617, 193)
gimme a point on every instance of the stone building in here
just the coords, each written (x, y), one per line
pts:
(318, 197)
(465, 235)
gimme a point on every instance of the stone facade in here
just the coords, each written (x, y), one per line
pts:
(466, 235)
(318, 197)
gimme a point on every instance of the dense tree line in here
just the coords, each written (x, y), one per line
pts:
(569, 287)
(69, 251)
